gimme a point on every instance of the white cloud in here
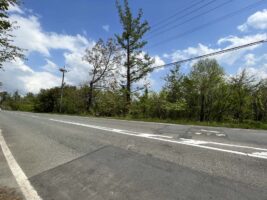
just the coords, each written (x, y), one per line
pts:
(78, 69)
(250, 59)
(190, 52)
(106, 28)
(30, 36)
(255, 66)
(158, 62)
(13, 8)
(50, 66)
(234, 41)
(18, 76)
(228, 42)
(257, 73)
(256, 21)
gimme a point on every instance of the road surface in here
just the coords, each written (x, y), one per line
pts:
(45, 156)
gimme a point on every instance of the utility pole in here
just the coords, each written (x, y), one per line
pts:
(63, 70)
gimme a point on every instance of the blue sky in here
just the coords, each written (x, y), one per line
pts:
(55, 32)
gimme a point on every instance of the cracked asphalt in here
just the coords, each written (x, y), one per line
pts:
(70, 157)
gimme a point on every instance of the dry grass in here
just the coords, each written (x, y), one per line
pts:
(9, 194)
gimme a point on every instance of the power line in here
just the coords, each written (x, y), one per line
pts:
(210, 23)
(191, 19)
(178, 14)
(212, 54)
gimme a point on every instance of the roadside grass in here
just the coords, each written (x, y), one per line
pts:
(9, 194)
(228, 124)
(246, 124)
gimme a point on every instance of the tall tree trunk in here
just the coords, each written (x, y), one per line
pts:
(128, 86)
(90, 97)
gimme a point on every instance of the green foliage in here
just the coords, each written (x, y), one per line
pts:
(202, 97)
(47, 100)
(241, 90)
(203, 82)
(137, 64)
(8, 51)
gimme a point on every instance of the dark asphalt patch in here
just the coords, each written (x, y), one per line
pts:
(114, 173)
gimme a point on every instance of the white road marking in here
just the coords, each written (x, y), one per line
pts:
(220, 135)
(34, 116)
(26, 188)
(197, 133)
(153, 135)
(189, 141)
(196, 143)
(209, 131)
(261, 154)
(238, 146)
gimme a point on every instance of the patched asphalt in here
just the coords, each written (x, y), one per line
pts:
(65, 161)
(114, 173)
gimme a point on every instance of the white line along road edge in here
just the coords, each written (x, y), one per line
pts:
(26, 188)
(194, 143)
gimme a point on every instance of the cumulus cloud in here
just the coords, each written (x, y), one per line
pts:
(233, 41)
(256, 21)
(77, 67)
(256, 72)
(255, 66)
(19, 76)
(50, 66)
(200, 49)
(158, 62)
(31, 36)
(226, 42)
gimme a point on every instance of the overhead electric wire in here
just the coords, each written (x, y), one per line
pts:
(190, 19)
(212, 54)
(177, 13)
(209, 23)
(181, 17)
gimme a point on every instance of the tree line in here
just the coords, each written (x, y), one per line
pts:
(204, 94)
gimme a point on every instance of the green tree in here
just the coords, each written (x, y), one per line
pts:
(47, 100)
(109, 103)
(138, 64)
(242, 86)
(204, 79)
(27, 102)
(221, 102)
(8, 51)
(103, 58)
(174, 92)
(259, 101)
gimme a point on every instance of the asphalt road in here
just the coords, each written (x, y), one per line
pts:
(69, 157)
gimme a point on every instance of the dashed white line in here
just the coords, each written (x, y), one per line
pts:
(220, 135)
(209, 131)
(26, 188)
(194, 143)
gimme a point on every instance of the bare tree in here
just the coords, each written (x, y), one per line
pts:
(104, 57)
